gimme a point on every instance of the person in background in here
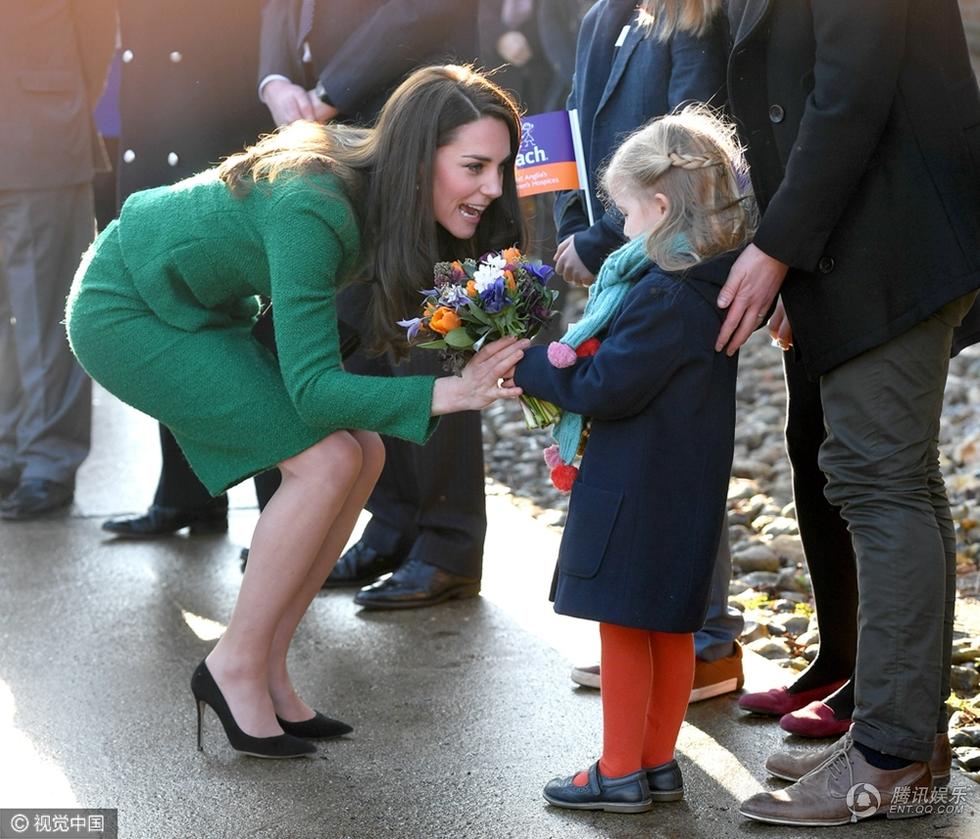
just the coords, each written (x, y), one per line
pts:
(185, 102)
(54, 56)
(337, 62)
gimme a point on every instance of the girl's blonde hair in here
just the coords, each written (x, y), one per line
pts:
(664, 18)
(694, 158)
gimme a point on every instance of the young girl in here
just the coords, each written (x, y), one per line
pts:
(648, 508)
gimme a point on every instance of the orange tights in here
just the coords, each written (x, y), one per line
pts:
(646, 685)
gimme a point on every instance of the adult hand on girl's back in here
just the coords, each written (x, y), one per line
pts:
(478, 386)
(748, 293)
(569, 265)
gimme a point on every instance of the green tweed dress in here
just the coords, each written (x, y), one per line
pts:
(161, 310)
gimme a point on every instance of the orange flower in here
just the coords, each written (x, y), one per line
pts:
(444, 320)
(511, 282)
(471, 288)
(511, 255)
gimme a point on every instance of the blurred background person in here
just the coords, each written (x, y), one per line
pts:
(337, 61)
(187, 99)
(54, 56)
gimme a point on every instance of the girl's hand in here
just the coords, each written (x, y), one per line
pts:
(479, 384)
(779, 328)
(569, 265)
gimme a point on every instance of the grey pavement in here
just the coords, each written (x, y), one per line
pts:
(461, 712)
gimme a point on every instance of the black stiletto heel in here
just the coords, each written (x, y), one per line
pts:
(207, 692)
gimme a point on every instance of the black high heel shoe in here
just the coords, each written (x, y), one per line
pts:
(207, 692)
(315, 728)
(165, 521)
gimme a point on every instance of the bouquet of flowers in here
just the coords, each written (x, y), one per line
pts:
(502, 295)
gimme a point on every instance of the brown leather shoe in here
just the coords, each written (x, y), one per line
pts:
(843, 789)
(793, 765)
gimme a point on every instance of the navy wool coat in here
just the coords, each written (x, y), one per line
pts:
(648, 508)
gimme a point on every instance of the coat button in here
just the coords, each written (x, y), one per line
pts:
(776, 113)
(172, 159)
(129, 156)
(127, 56)
(176, 57)
(826, 264)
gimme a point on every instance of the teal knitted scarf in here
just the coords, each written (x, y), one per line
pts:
(616, 277)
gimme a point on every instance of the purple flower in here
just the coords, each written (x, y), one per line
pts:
(412, 326)
(494, 296)
(542, 272)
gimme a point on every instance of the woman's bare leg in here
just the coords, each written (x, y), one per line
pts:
(287, 704)
(287, 540)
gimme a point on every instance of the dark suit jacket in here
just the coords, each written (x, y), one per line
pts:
(188, 96)
(616, 90)
(863, 127)
(648, 508)
(362, 49)
(54, 56)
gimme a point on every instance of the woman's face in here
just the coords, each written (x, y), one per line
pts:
(468, 174)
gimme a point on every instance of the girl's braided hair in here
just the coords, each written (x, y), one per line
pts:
(692, 157)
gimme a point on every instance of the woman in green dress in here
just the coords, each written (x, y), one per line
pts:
(161, 313)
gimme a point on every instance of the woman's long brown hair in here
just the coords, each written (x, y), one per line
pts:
(387, 173)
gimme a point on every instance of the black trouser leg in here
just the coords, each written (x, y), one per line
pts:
(178, 486)
(429, 501)
(826, 540)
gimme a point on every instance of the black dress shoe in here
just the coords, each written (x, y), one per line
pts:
(416, 584)
(36, 497)
(165, 521)
(9, 481)
(361, 564)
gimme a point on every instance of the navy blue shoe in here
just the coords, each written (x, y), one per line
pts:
(665, 782)
(628, 794)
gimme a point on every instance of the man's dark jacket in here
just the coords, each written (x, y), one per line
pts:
(361, 49)
(863, 127)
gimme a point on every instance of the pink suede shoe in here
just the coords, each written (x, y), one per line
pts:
(815, 720)
(779, 701)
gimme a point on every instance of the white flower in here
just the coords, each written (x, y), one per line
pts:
(489, 272)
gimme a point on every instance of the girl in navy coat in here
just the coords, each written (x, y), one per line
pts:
(647, 510)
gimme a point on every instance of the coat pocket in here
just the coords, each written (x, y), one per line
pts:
(592, 514)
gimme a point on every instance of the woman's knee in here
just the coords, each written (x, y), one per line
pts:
(372, 453)
(338, 457)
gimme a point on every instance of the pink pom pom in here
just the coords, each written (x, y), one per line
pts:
(551, 457)
(563, 477)
(561, 355)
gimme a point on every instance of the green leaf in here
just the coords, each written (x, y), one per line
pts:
(433, 345)
(477, 313)
(459, 339)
